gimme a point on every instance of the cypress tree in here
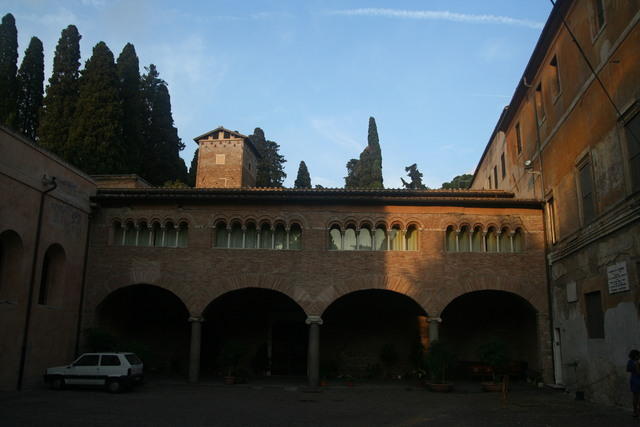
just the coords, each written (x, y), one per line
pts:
(366, 172)
(30, 92)
(8, 70)
(303, 179)
(270, 171)
(59, 104)
(193, 170)
(129, 77)
(95, 137)
(161, 145)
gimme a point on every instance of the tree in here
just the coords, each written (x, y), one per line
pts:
(416, 178)
(366, 172)
(459, 182)
(303, 180)
(161, 145)
(270, 171)
(193, 170)
(95, 138)
(59, 104)
(129, 78)
(30, 91)
(8, 69)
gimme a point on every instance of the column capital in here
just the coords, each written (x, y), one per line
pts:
(314, 320)
(199, 319)
(434, 319)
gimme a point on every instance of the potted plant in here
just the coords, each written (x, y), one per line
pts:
(438, 360)
(230, 357)
(494, 354)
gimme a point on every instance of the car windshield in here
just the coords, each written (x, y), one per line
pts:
(133, 359)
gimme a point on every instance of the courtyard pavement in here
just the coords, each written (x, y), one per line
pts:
(167, 403)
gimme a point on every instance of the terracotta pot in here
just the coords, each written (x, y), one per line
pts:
(490, 386)
(441, 388)
(229, 380)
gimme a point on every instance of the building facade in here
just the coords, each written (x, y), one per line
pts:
(570, 136)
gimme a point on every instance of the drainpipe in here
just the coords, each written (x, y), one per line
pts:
(46, 180)
(82, 287)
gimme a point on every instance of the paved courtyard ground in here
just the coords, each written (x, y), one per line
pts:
(176, 404)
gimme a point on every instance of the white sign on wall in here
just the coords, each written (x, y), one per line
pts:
(618, 278)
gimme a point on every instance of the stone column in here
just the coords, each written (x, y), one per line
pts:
(313, 355)
(434, 329)
(194, 354)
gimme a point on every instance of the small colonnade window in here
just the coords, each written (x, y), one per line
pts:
(169, 234)
(369, 238)
(253, 235)
(476, 239)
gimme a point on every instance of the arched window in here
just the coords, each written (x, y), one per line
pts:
(156, 231)
(364, 239)
(451, 244)
(266, 236)
(280, 237)
(236, 235)
(380, 242)
(222, 235)
(395, 236)
(476, 240)
(143, 234)
(349, 242)
(295, 237)
(504, 240)
(52, 274)
(183, 235)
(335, 238)
(10, 264)
(251, 236)
(170, 235)
(492, 240)
(118, 233)
(464, 239)
(518, 241)
(130, 234)
(411, 238)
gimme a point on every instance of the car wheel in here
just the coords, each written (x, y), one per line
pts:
(57, 383)
(114, 386)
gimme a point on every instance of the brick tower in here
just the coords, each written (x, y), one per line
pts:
(226, 159)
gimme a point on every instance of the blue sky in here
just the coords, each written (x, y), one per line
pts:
(435, 74)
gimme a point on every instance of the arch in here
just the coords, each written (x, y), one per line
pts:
(518, 240)
(280, 236)
(396, 240)
(349, 237)
(265, 327)
(335, 238)
(11, 259)
(411, 237)
(183, 234)
(357, 341)
(477, 239)
(380, 238)
(473, 319)
(295, 237)
(221, 238)
(365, 238)
(464, 239)
(148, 319)
(451, 239)
(52, 275)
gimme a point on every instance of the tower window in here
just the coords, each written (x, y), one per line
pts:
(220, 159)
(226, 135)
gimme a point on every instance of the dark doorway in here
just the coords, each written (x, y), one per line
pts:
(148, 320)
(474, 319)
(254, 332)
(372, 334)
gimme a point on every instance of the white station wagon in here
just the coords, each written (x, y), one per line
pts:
(114, 371)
